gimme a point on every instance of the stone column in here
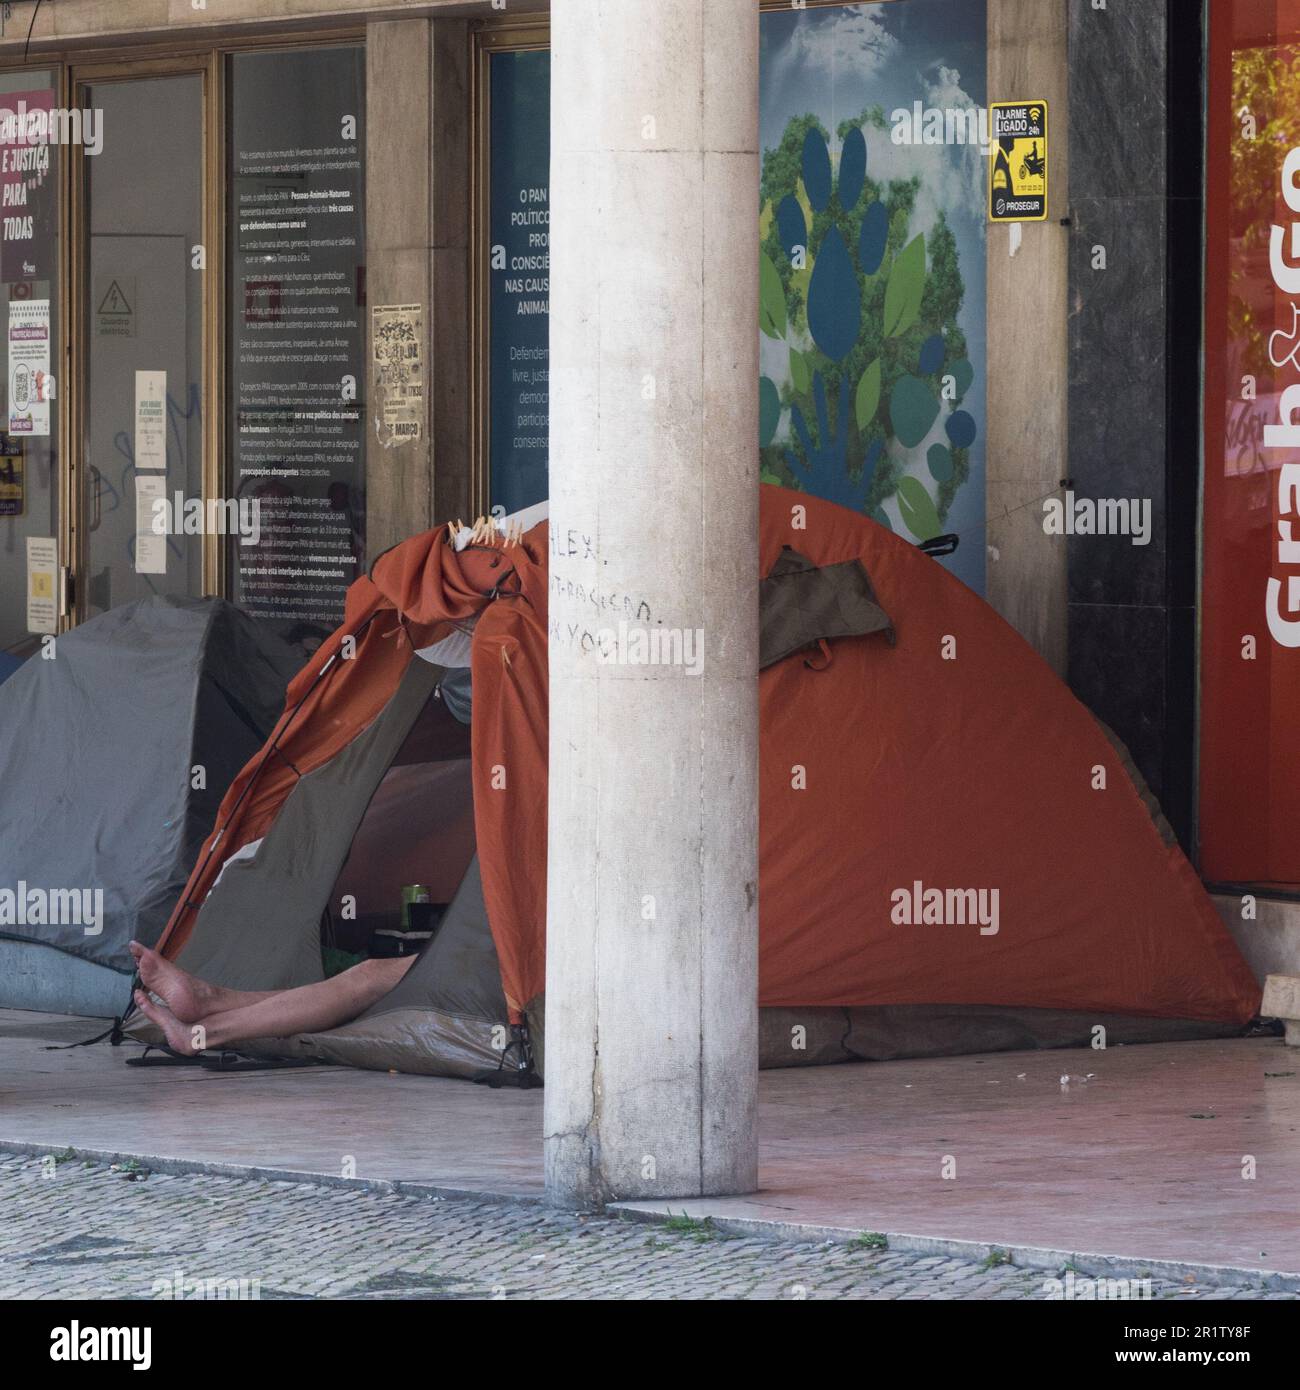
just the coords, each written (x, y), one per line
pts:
(652, 933)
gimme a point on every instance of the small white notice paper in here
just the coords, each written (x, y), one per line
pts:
(150, 544)
(151, 419)
(42, 584)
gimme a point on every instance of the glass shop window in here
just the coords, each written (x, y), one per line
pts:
(29, 437)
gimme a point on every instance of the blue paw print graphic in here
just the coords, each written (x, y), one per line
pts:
(889, 398)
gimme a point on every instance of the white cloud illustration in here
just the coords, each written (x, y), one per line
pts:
(855, 41)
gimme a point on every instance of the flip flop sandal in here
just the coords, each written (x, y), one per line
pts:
(157, 1055)
(236, 1061)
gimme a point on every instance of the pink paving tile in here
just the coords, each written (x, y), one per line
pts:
(1115, 1162)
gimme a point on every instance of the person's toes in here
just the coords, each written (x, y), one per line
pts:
(147, 1007)
(184, 996)
(147, 963)
(177, 1034)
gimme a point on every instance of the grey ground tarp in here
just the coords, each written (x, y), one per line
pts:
(446, 1017)
(98, 748)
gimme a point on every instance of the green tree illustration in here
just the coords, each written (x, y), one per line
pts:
(904, 355)
(1266, 106)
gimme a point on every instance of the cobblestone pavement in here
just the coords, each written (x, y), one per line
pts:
(77, 1230)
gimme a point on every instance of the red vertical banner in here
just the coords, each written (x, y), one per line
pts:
(1250, 598)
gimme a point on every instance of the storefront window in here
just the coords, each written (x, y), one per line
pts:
(1250, 645)
(519, 219)
(29, 258)
(296, 294)
(144, 345)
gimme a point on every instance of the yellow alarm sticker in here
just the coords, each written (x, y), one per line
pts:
(1018, 161)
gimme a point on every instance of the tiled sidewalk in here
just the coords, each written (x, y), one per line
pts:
(83, 1231)
(1179, 1157)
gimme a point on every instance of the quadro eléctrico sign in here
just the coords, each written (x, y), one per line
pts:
(1018, 161)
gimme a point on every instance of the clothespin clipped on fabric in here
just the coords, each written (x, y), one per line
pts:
(486, 530)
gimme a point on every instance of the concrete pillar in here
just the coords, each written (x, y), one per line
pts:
(652, 931)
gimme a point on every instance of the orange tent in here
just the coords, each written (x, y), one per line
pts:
(963, 831)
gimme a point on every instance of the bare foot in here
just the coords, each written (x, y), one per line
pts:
(185, 1038)
(185, 995)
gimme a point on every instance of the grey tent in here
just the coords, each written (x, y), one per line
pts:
(115, 753)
